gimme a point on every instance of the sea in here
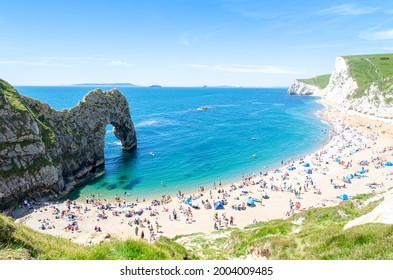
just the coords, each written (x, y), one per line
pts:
(181, 148)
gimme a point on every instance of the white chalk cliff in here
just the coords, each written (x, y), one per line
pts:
(301, 88)
(341, 90)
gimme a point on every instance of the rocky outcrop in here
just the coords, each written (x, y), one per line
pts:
(45, 151)
(301, 88)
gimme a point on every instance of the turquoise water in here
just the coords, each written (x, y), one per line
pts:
(195, 148)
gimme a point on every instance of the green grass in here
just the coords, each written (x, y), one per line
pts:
(319, 81)
(367, 69)
(320, 236)
(20, 242)
(12, 96)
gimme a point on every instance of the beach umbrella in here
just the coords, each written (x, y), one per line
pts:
(188, 201)
(290, 168)
(309, 171)
(306, 164)
(350, 176)
(250, 201)
(343, 197)
(364, 162)
(218, 205)
(389, 163)
(336, 160)
(347, 180)
(361, 171)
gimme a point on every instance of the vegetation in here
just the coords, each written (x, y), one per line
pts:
(320, 81)
(367, 69)
(20, 242)
(319, 235)
(12, 96)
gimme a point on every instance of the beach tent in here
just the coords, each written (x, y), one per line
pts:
(336, 160)
(306, 164)
(350, 176)
(389, 163)
(364, 162)
(361, 171)
(207, 205)
(218, 205)
(343, 197)
(309, 171)
(264, 195)
(347, 180)
(188, 201)
(194, 205)
(250, 201)
(290, 168)
(139, 212)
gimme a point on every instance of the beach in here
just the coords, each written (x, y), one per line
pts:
(358, 151)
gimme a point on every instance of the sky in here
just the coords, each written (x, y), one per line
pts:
(249, 43)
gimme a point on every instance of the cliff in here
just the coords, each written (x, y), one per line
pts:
(304, 87)
(44, 151)
(361, 83)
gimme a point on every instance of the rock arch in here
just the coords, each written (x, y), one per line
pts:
(47, 151)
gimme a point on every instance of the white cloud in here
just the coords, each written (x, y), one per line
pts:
(268, 69)
(44, 62)
(120, 63)
(377, 35)
(349, 9)
(387, 48)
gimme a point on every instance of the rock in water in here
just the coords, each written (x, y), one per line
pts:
(47, 151)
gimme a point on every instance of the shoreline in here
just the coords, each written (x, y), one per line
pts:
(282, 189)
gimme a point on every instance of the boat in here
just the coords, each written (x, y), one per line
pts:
(253, 138)
(152, 154)
(202, 108)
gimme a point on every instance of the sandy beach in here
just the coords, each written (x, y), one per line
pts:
(358, 150)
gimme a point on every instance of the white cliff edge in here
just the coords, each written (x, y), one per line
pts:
(341, 87)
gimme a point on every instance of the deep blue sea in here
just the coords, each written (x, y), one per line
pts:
(195, 148)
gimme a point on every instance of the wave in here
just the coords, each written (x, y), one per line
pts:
(115, 143)
(147, 123)
(223, 106)
(157, 122)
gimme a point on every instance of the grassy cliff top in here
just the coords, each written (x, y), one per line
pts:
(20, 242)
(366, 69)
(312, 234)
(369, 69)
(319, 81)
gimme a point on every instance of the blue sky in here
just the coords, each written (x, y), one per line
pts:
(185, 42)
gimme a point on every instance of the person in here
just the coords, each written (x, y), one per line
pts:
(142, 235)
(231, 219)
(136, 230)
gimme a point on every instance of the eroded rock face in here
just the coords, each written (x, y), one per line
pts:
(300, 88)
(47, 151)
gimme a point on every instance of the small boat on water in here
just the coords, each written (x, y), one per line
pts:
(202, 108)
(253, 138)
(152, 154)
